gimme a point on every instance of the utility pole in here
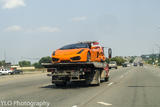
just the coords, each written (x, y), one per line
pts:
(4, 58)
(5, 55)
(159, 56)
(158, 53)
(153, 57)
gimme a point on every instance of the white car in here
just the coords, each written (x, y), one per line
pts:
(5, 71)
(113, 64)
(128, 65)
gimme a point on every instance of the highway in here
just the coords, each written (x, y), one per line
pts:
(127, 87)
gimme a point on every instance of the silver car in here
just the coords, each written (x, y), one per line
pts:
(113, 64)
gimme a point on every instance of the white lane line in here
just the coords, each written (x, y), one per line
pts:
(74, 106)
(110, 83)
(122, 76)
(106, 104)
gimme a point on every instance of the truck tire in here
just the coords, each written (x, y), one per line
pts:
(60, 84)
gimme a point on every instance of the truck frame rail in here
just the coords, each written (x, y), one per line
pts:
(76, 64)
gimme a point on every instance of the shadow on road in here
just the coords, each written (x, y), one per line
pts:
(141, 86)
(69, 86)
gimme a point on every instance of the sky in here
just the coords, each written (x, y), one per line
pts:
(31, 29)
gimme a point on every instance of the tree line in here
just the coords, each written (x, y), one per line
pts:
(25, 63)
(120, 60)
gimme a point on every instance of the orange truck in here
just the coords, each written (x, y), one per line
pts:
(83, 61)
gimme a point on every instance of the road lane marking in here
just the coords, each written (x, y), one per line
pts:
(106, 104)
(74, 106)
(110, 83)
(122, 76)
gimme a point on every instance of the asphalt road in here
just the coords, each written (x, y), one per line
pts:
(127, 87)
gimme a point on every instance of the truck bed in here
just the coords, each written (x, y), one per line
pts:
(76, 64)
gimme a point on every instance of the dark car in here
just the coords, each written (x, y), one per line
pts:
(16, 72)
(135, 64)
(124, 64)
(140, 64)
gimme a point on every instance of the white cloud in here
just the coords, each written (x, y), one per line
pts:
(48, 29)
(9, 4)
(17, 28)
(13, 28)
(78, 19)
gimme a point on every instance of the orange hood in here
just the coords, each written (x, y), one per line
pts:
(67, 51)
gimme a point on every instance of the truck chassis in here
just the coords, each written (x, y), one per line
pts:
(89, 72)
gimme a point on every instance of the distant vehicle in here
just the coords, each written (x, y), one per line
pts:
(124, 65)
(128, 64)
(79, 52)
(16, 72)
(5, 71)
(135, 64)
(140, 64)
(113, 64)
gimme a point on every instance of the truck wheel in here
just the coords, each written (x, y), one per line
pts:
(60, 84)
(57, 85)
(87, 82)
(88, 57)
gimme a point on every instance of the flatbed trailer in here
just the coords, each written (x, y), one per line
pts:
(88, 72)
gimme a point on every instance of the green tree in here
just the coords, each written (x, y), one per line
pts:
(150, 62)
(131, 61)
(2, 63)
(118, 59)
(46, 59)
(24, 63)
(37, 65)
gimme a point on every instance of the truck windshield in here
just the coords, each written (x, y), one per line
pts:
(75, 46)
